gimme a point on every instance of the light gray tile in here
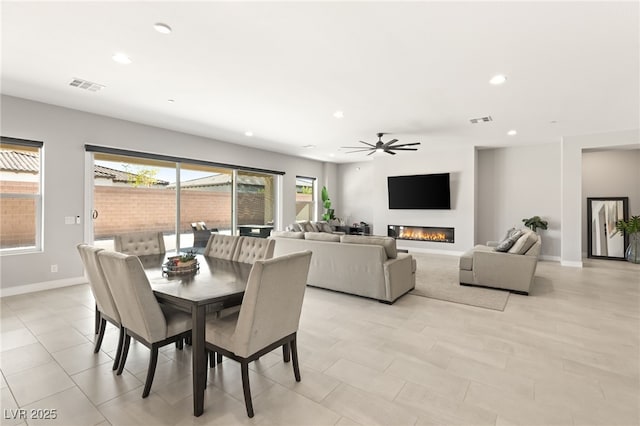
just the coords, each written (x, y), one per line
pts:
(61, 339)
(71, 408)
(23, 358)
(101, 384)
(81, 357)
(15, 339)
(38, 382)
(380, 384)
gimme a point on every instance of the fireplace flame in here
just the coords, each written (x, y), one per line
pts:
(422, 235)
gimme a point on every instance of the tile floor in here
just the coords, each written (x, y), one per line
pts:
(566, 355)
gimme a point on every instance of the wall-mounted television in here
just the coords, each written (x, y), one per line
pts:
(419, 192)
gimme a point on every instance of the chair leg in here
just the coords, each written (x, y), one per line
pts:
(294, 355)
(125, 352)
(116, 361)
(179, 344)
(212, 359)
(187, 340)
(219, 357)
(103, 326)
(153, 361)
(286, 352)
(97, 321)
(244, 366)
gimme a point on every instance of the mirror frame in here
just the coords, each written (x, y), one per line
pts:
(625, 215)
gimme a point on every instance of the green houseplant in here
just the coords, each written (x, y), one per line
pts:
(326, 203)
(632, 228)
(534, 223)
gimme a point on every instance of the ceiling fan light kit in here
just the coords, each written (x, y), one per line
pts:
(381, 147)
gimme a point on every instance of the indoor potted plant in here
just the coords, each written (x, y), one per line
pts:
(326, 203)
(534, 223)
(632, 228)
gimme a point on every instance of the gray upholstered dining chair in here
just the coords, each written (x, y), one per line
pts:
(268, 317)
(222, 246)
(150, 323)
(140, 243)
(105, 305)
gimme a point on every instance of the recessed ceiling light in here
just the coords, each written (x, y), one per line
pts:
(338, 114)
(308, 146)
(162, 28)
(121, 58)
(171, 100)
(512, 133)
(248, 133)
(496, 80)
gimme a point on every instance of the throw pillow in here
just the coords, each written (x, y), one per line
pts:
(323, 226)
(294, 227)
(508, 242)
(307, 227)
(524, 243)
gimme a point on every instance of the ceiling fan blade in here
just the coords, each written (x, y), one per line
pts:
(392, 141)
(353, 147)
(390, 152)
(358, 150)
(372, 152)
(405, 144)
(367, 143)
(403, 149)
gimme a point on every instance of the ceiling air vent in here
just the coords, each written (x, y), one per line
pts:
(87, 85)
(481, 120)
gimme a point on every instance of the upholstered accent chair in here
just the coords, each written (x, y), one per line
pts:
(201, 234)
(140, 243)
(268, 317)
(106, 309)
(221, 246)
(150, 323)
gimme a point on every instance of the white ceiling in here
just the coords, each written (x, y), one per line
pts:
(418, 70)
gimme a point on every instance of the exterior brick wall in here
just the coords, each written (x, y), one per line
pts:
(17, 217)
(126, 209)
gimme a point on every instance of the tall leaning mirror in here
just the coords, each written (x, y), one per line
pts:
(604, 240)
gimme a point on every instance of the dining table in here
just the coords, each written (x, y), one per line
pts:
(214, 285)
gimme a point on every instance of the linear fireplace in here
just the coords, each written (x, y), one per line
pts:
(421, 233)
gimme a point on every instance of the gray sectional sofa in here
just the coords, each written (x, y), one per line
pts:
(361, 265)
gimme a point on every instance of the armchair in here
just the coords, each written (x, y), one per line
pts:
(513, 270)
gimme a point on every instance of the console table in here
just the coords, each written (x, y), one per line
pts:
(355, 230)
(260, 231)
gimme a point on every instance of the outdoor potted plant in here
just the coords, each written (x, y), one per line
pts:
(534, 223)
(632, 228)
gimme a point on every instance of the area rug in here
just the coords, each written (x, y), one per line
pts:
(437, 278)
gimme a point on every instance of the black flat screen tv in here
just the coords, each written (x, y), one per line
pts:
(419, 192)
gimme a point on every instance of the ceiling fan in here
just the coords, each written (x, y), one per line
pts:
(380, 146)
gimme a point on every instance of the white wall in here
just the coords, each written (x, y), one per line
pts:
(364, 195)
(516, 183)
(572, 198)
(611, 173)
(64, 133)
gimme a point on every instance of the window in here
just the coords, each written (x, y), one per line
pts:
(181, 197)
(305, 199)
(20, 195)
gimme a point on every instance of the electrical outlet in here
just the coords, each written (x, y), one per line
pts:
(69, 220)
(54, 268)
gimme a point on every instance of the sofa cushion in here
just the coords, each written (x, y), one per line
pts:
(307, 227)
(288, 234)
(508, 242)
(321, 236)
(524, 243)
(388, 243)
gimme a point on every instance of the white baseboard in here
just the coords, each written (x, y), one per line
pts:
(571, 263)
(550, 258)
(47, 285)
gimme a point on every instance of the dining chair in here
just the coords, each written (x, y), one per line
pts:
(250, 249)
(222, 246)
(106, 309)
(268, 318)
(143, 318)
(140, 243)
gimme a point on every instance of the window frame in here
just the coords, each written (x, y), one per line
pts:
(38, 247)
